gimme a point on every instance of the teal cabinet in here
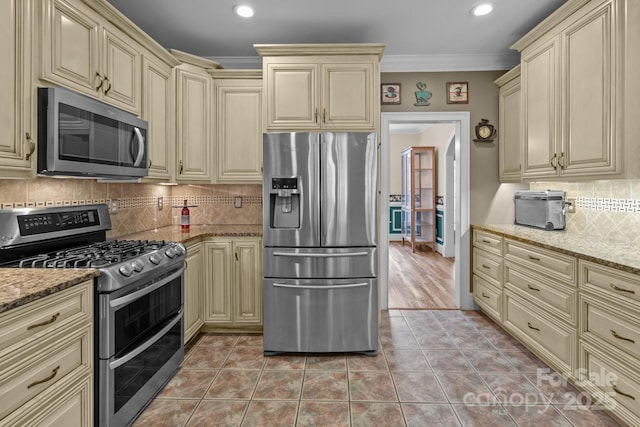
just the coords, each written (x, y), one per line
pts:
(439, 226)
(395, 219)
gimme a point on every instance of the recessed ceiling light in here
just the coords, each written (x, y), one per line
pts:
(482, 9)
(243, 10)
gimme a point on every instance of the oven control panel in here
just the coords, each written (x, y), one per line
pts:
(41, 223)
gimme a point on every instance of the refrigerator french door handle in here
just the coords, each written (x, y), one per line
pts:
(319, 255)
(349, 285)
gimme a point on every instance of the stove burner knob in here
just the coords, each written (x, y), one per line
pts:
(126, 270)
(171, 252)
(180, 249)
(137, 265)
(155, 259)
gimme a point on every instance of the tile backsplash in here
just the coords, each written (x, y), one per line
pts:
(138, 203)
(607, 210)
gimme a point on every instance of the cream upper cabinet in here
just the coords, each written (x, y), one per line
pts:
(578, 102)
(509, 127)
(158, 108)
(17, 92)
(83, 51)
(233, 283)
(238, 125)
(194, 117)
(312, 87)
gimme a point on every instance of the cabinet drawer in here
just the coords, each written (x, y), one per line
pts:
(29, 374)
(554, 264)
(610, 326)
(488, 297)
(550, 334)
(620, 286)
(41, 318)
(487, 265)
(557, 298)
(487, 241)
(619, 381)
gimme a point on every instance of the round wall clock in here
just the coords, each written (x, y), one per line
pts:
(485, 131)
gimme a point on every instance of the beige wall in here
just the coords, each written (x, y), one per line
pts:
(489, 202)
(439, 136)
(397, 144)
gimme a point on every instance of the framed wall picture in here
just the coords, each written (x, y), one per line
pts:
(390, 93)
(457, 92)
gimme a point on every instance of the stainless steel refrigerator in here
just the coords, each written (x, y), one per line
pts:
(320, 257)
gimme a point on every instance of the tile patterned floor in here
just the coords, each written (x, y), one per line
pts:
(434, 368)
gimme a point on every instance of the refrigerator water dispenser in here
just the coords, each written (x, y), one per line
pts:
(284, 203)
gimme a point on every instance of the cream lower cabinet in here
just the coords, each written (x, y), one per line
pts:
(238, 132)
(576, 109)
(233, 283)
(193, 290)
(509, 126)
(312, 87)
(17, 92)
(158, 108)
(83, 51)
(46, 360)
(609, 348)
(487, 273)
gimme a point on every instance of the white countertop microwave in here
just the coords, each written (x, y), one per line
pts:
(83, 137)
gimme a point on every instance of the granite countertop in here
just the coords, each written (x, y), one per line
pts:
(618, 255)
(174, 233)
(19, 286)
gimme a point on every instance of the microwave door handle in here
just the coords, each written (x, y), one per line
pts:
(140, 146)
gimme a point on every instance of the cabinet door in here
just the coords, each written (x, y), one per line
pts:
(247, 281)
(291, 98)
(193, 126)
(16, 91)
(347, 96)
(158, 110)
(588, 104)
(218, 281)
(193, 291)
(71, 46)
(121, 68)
(510, 163)
(239, 130)
(539, 92)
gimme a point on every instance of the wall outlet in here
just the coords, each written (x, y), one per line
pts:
(114, 206)
(570, 202)
(237, 201)
(160, 203)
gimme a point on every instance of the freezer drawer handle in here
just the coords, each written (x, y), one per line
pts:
(350, 285)
(319, 255)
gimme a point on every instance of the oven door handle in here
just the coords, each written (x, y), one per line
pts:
(151, 341)
(142, 292)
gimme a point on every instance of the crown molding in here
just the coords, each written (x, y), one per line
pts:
(406, 63)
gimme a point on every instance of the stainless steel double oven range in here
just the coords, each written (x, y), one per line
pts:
(138, 298)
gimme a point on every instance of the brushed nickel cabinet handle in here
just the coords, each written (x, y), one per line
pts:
(486, 241)
(316, 115)
(623, 394)
(615, 334)
(554, 161)
(237, 259)
(532, 288)
(618, 288)
(561, 161)
(485, 296)
(181, 167)
(54, 372)
(98, 76)
(32, 146)
(532, 258)
(485, 266)
(532, 327)
(46, 322)
(324, 115)
(150, 163)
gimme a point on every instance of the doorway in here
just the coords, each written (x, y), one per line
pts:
(462, 297)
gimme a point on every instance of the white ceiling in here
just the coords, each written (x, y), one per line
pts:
(421, 35)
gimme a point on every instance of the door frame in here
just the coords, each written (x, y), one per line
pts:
(463, 298)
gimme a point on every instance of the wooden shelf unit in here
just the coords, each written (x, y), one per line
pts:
(418, 196)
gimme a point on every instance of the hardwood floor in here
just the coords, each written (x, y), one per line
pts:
(420, 280)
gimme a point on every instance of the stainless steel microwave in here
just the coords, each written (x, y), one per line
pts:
(81, 136)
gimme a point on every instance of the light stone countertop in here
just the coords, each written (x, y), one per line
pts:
(617, 255)
(19, 286)
(173, 233)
